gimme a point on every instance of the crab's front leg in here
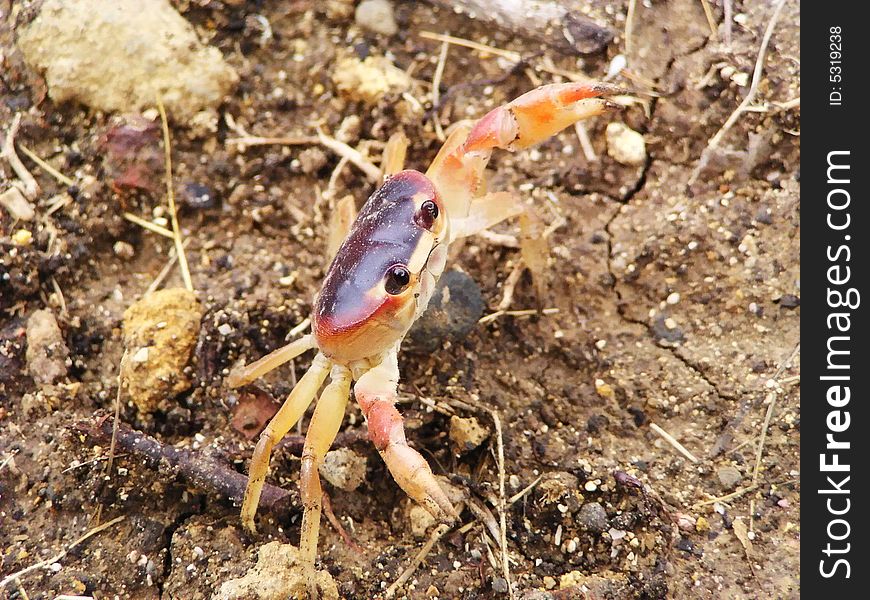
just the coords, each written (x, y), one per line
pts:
(376, 394)
(324, 425)
(292, 409)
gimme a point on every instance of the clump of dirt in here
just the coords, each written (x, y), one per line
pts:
(629, 408)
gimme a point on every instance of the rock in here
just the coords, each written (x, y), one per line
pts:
(133, 154)
(344, 468)
(376, 16)
(421, 520)
(278, 575)
(593, 517)
(369, 80)
(499, 585)
(625, 145)
(467, 434)
(454, 310)
(160, 332)
(18, 207)
(116, 56)
(559, 487)
(729, 476)
(47, 354)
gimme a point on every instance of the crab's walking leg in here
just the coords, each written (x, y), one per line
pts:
(248, 373)
(376, 394)
(322, 430)
(290, 412)
(486, 211)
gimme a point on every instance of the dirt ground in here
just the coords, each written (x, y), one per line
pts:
(678, 312)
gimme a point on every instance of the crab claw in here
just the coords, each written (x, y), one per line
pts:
(408, 468)
(539, 114)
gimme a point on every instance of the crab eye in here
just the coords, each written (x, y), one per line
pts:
(427, 214)
(398, 279)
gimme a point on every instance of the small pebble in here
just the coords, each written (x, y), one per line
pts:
(625, 145)
(198, 196)
(47, 353)
(673, 298)
(18, 207)
(344, 468)
(467, 433)
(499, 585)
(593, 517)
(123, 250)
(376, 16)
(729, 476)
(22, 237)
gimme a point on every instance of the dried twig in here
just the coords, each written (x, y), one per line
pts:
(170, 196)
(673, 442)
(726, 497)
(336, 524)
(729, 16)
(292, 140)
(514, 57)
(117, 416)
(727, 434)
(629, 25)
(8, 459)
(60, 177)
(50, 561)
(356, 158)
(436, 88)
(30, 187)
(750, 96)
(523, 492)
(164, 272)
(529, 312)
(152, 227)
(198, 470)
(585, 142)
(760, 449)
(437, 534)
(711, 20)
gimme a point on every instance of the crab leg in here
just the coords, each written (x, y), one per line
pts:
(322, 430)
(243, 375)
(376, 394)
(486, 211)
(292, 409)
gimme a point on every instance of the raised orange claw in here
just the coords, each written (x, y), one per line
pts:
(380, 282)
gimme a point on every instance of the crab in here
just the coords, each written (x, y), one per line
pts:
(380, 281)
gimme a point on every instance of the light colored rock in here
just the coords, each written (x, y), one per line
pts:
(18, 207)
(467, 434)
(420, 519)
(344, 468)
(117, 55)
(369, 80)
(47, 354)
(625, 145)
(376, 16)
(278, 575)
(729, 476)
(160, 332)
